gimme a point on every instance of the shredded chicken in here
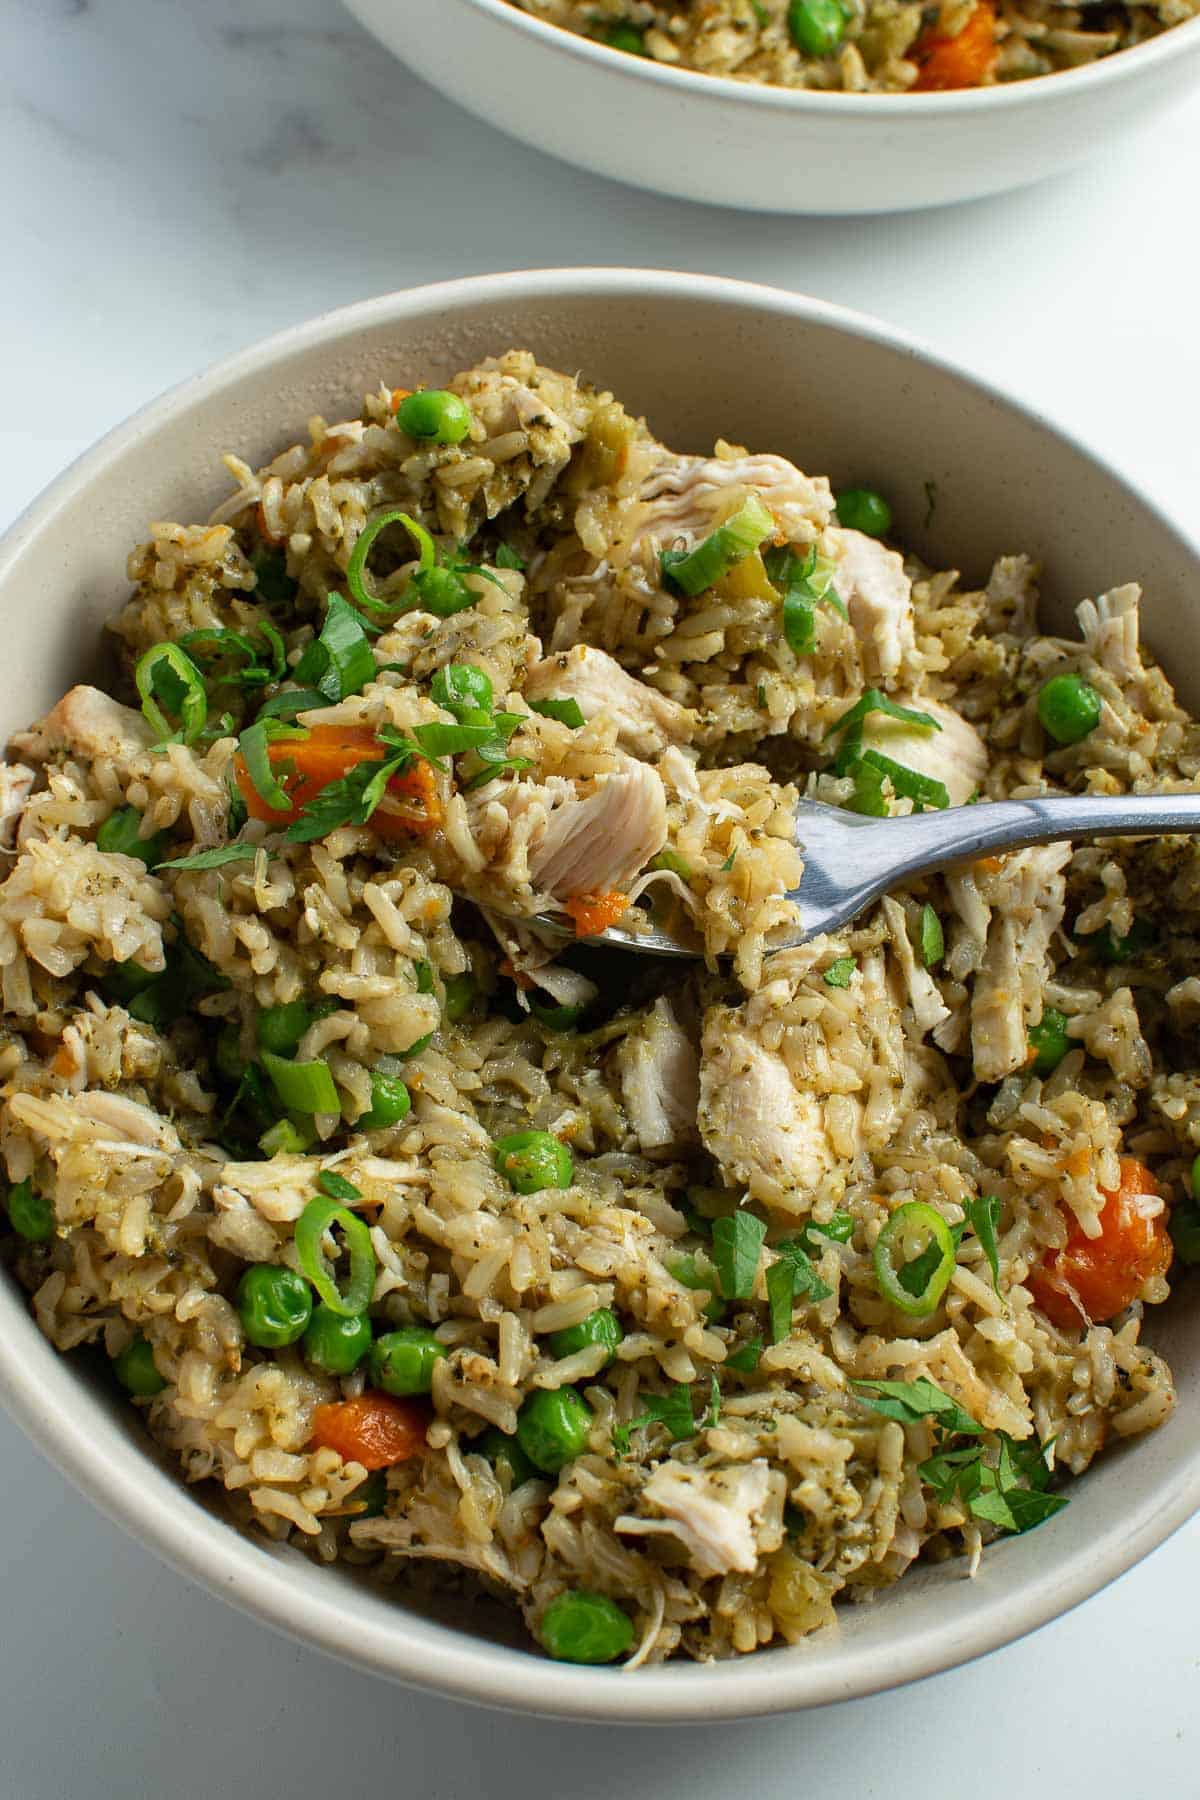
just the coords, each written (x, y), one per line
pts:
(660, 1081)
(684, 496)
(713, 1512)
(955, 754)
(766, 1134)
(16, 782)
(89, 723)
(597, 842)
(647, 722)
(924, 996)
(871, 584)
(1026, 897)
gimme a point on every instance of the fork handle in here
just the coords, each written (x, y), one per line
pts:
(931, 840)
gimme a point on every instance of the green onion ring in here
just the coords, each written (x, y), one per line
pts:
(356, 569)
(193, 711)
(696, 570)
(911, 1235)
(306, 1087)
(311, 1227)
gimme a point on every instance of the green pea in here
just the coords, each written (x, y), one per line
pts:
(461, 687)
(499, 1448)
(697, 1272)
(1113, 949)
(370, 1496)
(135, 1369)
(274, 1304)
(434, 415)
(1068, 708)
(581, 1627)
(334, 1343)
(533, 1160)
(390, 1102)
(1184, 1226)
(553, 1426)
(1196, 1179)
(460, 996)
(120, 834)
(817, 28)
(280, 1028)
(600, 1327)
(627, 38)
(403, 1361)
(859, 509)
(30, 1215)
(1049, 1041)
(442, 591)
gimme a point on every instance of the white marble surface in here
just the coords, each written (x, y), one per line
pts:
(180, 180)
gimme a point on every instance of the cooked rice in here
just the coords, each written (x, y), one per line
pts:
(750, 1082)
(884, 44)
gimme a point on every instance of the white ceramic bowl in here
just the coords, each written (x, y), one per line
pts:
(769, 149)
(702, 358)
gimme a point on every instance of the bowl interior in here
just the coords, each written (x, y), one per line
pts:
(970, 476)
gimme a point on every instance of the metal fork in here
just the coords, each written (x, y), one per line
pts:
(849, 860)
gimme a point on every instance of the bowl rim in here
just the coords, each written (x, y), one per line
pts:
(1121, 65)
(118, 1472)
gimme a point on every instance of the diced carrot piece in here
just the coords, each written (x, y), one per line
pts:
(305, 766)
(1096, 1278)
(964, 61)
(594, 913)
(374, 1430)
(399, 394)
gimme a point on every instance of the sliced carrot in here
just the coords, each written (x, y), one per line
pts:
(593, 913)
(399, 394)
(374, 1430)
(1096, 1278)
(963, 61)
(305, 766)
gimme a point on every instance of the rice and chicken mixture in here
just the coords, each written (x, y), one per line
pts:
(669, 1302)
(867, 46)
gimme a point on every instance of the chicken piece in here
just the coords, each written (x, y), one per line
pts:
(1026, 896)
(955, 754)
(597, 842)
(647, 722)
(16, 781)
(713, 1512)
(924, 997)
(89, 723)
(766, 1134)
(870, 582)
(690, 495)
(660, 1081)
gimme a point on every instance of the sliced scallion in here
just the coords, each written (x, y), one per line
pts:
(303, 1087)
(317, 1218)
(696, 570)
(168, 673)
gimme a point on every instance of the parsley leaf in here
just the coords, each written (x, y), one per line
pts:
(808, 1284)
(983, 1215)
(350, 801)
(736, 1244)
(672, 1409)
(911, 1401)
(781, 1288)
(213, 859)
(339, 662)
(745, 1359)
(507, 558)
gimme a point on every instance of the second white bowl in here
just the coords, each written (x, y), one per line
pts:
(702, 137)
